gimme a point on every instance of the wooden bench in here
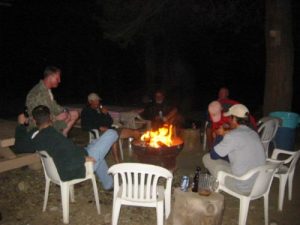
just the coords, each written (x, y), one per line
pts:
(8, 159)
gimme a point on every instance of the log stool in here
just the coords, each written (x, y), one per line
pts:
(194, 209)
(191, 138)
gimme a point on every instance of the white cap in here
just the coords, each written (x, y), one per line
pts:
(93, 97)
(238, 110)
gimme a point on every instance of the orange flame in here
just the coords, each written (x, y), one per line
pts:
(162, 136)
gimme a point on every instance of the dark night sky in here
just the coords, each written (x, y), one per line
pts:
(35, 34)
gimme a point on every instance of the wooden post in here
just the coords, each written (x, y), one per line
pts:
(191, 139)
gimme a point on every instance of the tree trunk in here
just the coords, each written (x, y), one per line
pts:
(279, 56)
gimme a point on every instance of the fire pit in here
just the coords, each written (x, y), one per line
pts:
(158, 151)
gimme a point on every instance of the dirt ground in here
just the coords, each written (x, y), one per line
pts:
(22, 194)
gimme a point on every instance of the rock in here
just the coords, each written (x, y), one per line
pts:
(19, 215)
(23, 186)
(191, 208)
(53, 208)
(107, 218)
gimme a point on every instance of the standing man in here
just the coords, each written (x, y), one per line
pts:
(241, 144)
(41, 94)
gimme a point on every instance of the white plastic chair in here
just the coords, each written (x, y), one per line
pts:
(267, 129)
(130, 139)
(260, 188)
(135, 122)
(93, 134)
(285, 172)
(136, 184)
(66, 187)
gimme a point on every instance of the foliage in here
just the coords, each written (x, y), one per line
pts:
(123, 21)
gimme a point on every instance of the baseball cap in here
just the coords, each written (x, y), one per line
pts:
(238, 110)
(215, 111)
(93, 97)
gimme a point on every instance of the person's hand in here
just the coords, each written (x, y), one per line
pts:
(103, 129)
(22, 119)
(90, 159)
(104, 110)
(65, 116)
(220, 131)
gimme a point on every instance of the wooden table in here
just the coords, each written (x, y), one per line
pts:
(8, 159)
(193, 209)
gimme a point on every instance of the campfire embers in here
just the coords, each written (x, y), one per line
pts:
(158, 147)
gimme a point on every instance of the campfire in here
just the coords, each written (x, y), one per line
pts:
(160, 137)
(159, 147)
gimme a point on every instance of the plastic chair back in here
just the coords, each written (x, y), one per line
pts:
(138, 181)
(263, 180)
(93, 134)
(267, 131)
(49, 167)
(67, 187)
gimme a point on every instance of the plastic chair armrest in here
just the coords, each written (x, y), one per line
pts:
(222, 175)
(277, 152)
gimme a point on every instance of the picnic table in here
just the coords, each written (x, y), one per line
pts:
(8, 159)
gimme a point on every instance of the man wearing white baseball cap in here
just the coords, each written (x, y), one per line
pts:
(243, 147)
(96, 116)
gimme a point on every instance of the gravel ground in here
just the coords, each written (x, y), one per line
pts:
(22, 193)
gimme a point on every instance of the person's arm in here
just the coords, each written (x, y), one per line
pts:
(23, 142)
(104, 119)
(214, 155)
(55, 108)
(171, 114)
(226, 145)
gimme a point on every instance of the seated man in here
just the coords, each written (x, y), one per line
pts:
(226, 102)
(214, 108)
(241, 144)
(160, 112)
(68, 158)
(96, 116)
(223, 98)
(217, 118)
(41, 94)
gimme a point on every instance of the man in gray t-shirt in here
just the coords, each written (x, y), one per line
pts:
(243, 147)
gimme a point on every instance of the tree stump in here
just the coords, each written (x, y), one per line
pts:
(191, 138)
(194, 209)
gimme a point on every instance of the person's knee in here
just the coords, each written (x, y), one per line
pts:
(111, 133)
(74, 115)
